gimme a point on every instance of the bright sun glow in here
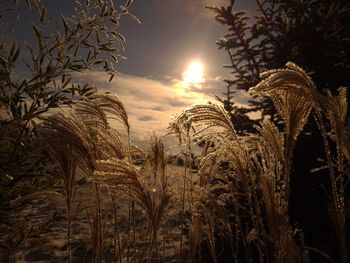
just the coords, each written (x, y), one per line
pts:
(194, 73)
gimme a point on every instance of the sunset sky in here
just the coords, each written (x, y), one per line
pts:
(172, 35)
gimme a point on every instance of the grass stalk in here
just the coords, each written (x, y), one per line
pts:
(97, 258)
(183, 209)
(133, 225)
(69, 238)
(336, 197)
(117, 252)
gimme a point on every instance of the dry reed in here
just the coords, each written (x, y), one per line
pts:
(243, 188)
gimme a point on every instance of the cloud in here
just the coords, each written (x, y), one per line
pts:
(150, 103)
(216, 86)
(197, 7)
(202, 3)
(216, 2)
(146, 118)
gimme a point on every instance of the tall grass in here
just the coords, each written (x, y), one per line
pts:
(234, 207)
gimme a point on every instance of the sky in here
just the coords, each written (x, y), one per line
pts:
(172, 34)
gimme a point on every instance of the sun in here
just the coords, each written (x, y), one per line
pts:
(194, 73)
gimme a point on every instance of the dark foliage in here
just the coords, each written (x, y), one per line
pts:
(313, 34)
(36, 79)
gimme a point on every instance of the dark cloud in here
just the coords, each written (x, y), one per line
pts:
(146, 118)
(216, 87)
(177, 102)
(158, 108)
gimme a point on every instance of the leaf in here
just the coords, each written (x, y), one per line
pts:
(65, 24)
(16, 3)
(104, 6)
(36, 31)
(118, 35)
(111, 77)
(15, 56)
(43, 14)
(97, 62)
(76, 50)
(36, 4)
(88, 56)
(28, 4)
(40, 111)
(118, 57)
(33, 123)
(25, 108)
(89, 94)
(97, 36)
(128, 4)
(134, 18)
(114, 21)
(12, 50)
(54, 46)
(24, 84)
(13, 109)
(66, 83)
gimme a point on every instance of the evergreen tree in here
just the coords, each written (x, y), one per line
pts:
(313, 34)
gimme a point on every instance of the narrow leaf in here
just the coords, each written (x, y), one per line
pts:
(111, 77)
(43, 14)
(65, 24)
(36, 31)
(128, 4)
(13, 47)
(134, 18)
(66, 83)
